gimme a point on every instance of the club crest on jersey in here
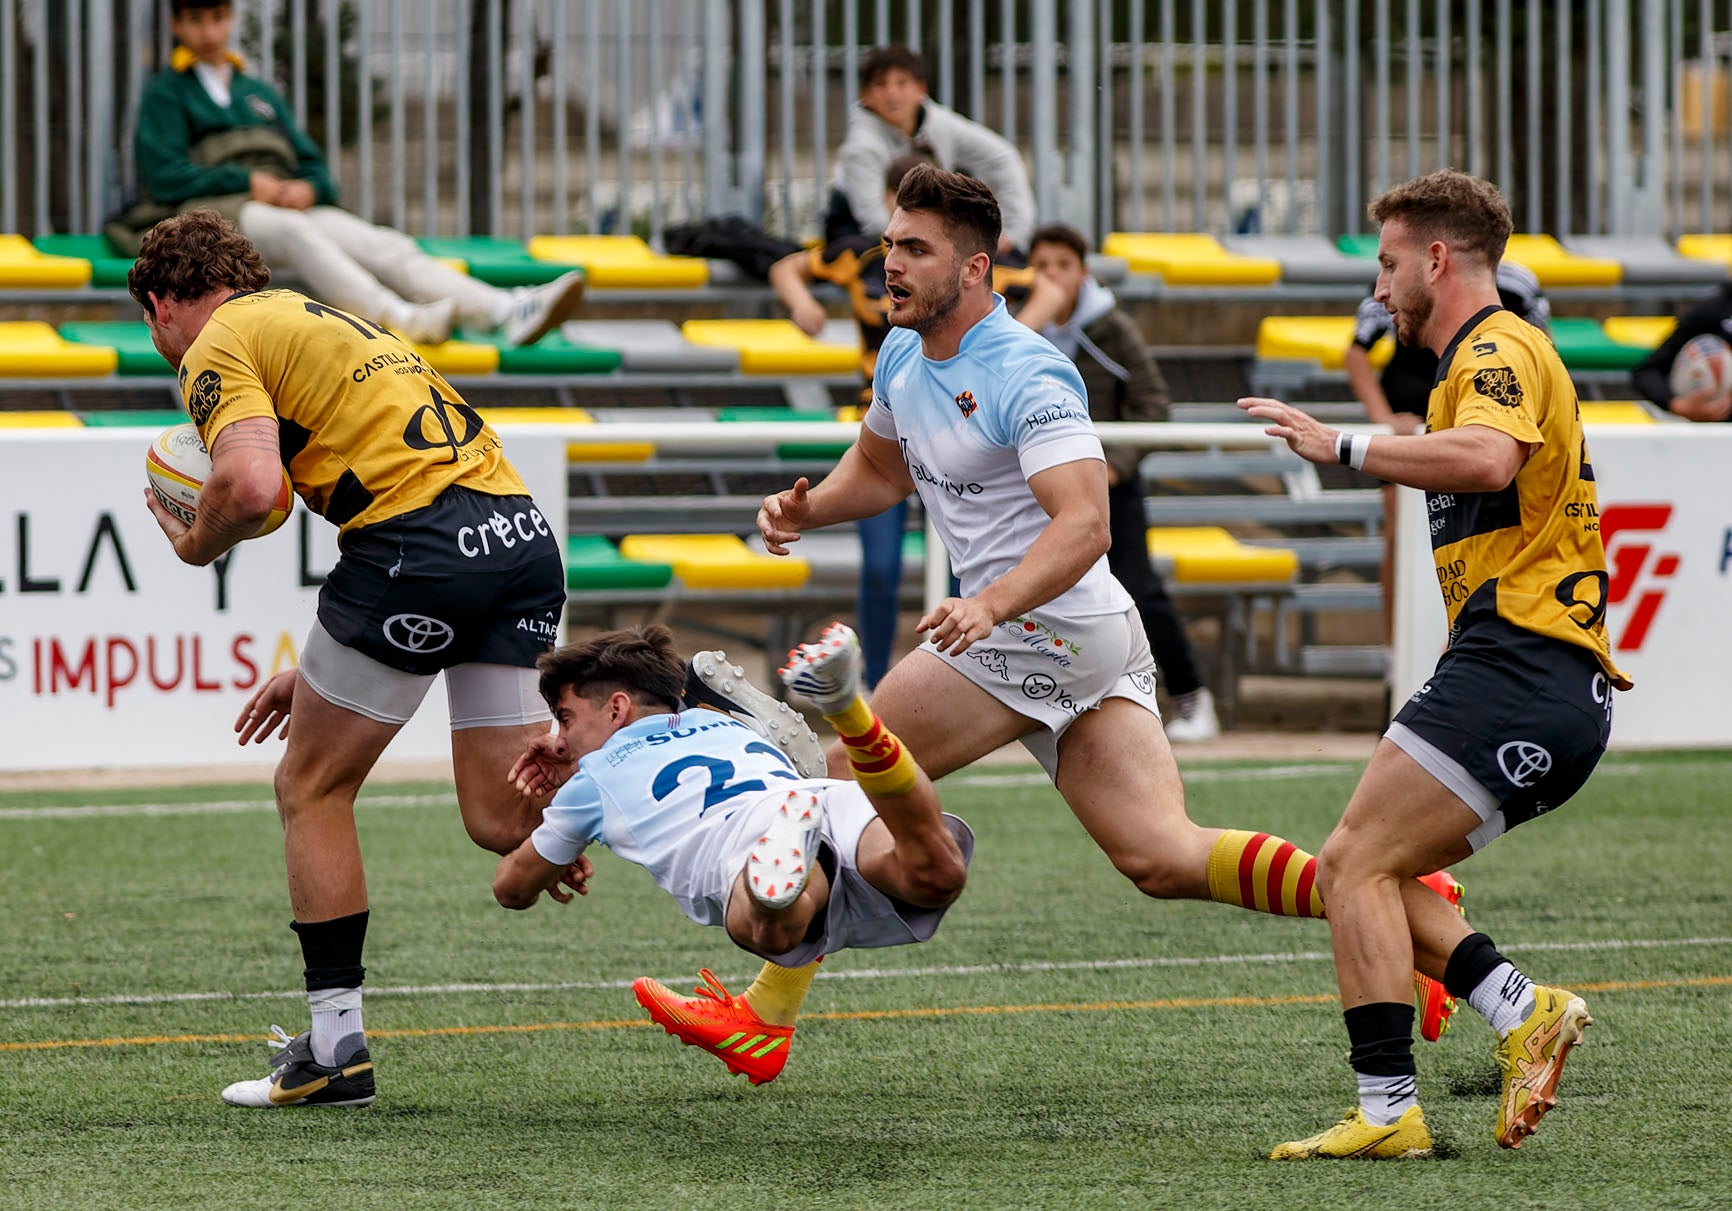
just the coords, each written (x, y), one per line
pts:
(1499, 384)
(966, 403)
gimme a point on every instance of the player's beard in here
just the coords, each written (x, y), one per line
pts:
(923, 316)
(1415, 314)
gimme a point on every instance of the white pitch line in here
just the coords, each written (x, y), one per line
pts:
(866, 973)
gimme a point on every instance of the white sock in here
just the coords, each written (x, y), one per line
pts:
(1185, 705)
(336, 1015)
(1504, 998)
(1384, 1099)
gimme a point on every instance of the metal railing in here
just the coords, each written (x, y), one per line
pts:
(516, 117)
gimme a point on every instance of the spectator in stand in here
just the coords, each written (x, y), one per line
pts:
(212, 137)
(1398, 397)
(856, 264)
(1083, 319)
(894, 116)
(1653, 378)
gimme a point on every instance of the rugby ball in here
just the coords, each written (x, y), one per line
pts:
(1704, 361)
(177, 466)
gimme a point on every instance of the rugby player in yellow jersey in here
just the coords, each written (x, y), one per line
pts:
(446, 565)
(1519, 709)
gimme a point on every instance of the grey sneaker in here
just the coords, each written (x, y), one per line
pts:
(297, 1080)
(827, 672)
(538, 310)
(711, 681)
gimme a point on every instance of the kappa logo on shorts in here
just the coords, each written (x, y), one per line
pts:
(206, 394)
(418, 633)
(1498, 383)
(992, 660)
(1523, 762)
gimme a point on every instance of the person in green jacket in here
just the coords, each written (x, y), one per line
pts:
(1083, 319)
(210, 136)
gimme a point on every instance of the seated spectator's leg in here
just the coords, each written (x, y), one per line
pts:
(1128, 560)
(880, 583)
(399, 262)
(296, 241)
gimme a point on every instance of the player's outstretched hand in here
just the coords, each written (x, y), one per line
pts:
(268, 707)
(956, 623)
(546, 765)
(574, 878)
(784, 515)
(1310, 439)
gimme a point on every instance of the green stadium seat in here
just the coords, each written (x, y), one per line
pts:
(108, 267)
(1584, 345)
(1360, 245)
(140, 418)
(552, 354)
(496, 261)
(593, 562)
(130, 340)
(787, 416)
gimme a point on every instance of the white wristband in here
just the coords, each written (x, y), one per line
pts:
(1357, 449)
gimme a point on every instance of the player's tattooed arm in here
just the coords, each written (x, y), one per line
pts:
(246, 475)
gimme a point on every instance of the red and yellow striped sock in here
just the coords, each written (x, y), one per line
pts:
(778, 992)
(1264, 874)
(881, 765)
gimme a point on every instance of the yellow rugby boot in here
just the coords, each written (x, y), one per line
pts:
(1531, 1058)
(1355, 1139)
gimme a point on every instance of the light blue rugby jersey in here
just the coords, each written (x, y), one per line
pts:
(663, 792)
(974, 429)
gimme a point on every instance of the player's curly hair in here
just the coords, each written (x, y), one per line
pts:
(194, 254)
(1464, 211)
(641, 661)
(971, 216)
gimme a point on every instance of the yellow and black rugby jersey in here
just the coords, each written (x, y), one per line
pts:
(1529, 553)
(368, 429)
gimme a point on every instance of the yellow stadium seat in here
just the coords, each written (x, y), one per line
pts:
(1554, 265)
(39, 420)
(32, 349)
(461, 357)
(717, 561)
(615, 262)
(575, 452)
(1210, 555)
(1314, 338)
(1643, 331)
(1189, 259)
(23, 267)
(1615, 412)
(773, 347)
(1707, 248)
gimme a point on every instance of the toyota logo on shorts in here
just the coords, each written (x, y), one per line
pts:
(418, 633)
(1523, 762)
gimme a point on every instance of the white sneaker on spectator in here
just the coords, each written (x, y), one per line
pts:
(1193, 720)
(425, 323)
(538, 310)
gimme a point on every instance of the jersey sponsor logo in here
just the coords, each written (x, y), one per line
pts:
(418, 633)
(400, 361)
(1635, 578)
(1455, 516)
(431, 427)
(1484, 348)
(1523, 762)
(943, 483)
(206, 393)
(965, 403)
(500, 532)
(1498, 384)
(1047, 416)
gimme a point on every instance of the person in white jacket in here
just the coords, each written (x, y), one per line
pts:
(893, 117)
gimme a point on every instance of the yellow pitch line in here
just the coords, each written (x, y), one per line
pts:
(859, 1015)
